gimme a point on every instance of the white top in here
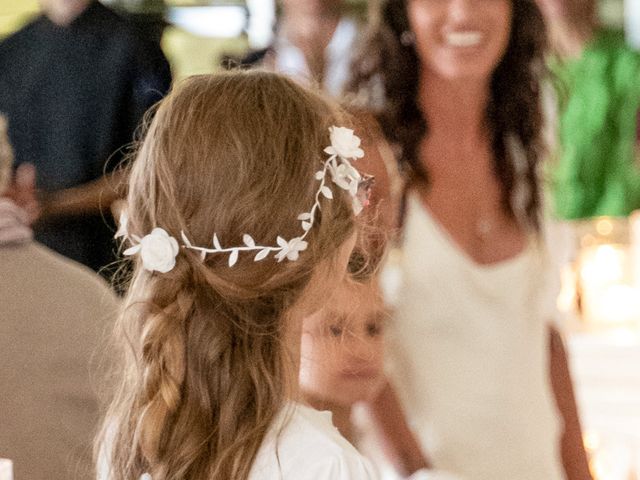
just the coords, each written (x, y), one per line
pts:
(290, 60)
(468, 355)
(303, 444)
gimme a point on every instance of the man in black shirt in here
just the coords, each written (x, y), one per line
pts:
(74, 85)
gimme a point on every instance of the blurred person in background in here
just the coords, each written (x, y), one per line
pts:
(74, 85)
(342, 361)
(598, 92)
(313, 43)
(479, 367)
(53, 313)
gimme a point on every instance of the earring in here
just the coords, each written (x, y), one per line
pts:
(407, 38)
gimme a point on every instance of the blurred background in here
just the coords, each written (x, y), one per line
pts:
(597, 254)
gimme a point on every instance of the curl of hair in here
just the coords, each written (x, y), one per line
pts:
(515, 111)
(205, 365)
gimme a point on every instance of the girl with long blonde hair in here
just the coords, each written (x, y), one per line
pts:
(241, 220)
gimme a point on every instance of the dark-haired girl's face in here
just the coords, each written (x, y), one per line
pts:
(460, 39)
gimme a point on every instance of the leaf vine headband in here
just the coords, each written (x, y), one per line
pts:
(158, 250)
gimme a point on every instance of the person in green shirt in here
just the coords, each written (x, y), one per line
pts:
(597, 78)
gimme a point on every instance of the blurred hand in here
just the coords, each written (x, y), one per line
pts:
(23, 192)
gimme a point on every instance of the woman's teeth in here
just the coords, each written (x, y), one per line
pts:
(463, 39)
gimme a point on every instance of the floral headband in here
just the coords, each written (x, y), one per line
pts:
(158, 250)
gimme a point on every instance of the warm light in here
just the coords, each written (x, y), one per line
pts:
(591, 441)
(6, 469)
(604, 265)
(604, 227)
(225, 21)
(608, 295)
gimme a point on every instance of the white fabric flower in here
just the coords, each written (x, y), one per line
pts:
(344, 143)
(346, 177)
(291, 249)
(158, 251)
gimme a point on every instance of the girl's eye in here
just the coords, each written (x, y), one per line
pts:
(373, 329)
(335, 330)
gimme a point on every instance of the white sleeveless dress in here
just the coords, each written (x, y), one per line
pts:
(468, 356)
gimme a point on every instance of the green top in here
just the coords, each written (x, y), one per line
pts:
(599, 94)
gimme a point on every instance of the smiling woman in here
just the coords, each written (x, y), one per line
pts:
(459, 83)
(454, 44)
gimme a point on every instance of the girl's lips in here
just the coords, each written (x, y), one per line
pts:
(361, 374)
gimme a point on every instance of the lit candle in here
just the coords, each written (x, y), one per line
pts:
(6, 469)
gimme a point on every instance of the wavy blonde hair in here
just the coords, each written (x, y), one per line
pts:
(205, 362)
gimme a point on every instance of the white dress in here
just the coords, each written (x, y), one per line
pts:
(468, 356)
(303, 444)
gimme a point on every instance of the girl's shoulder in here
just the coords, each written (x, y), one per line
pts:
(304, 445)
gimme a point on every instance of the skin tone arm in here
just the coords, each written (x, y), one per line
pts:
(574, 456)
(90, 198)
(398, 441)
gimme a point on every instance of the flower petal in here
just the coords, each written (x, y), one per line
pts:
(233, 258)
(261, 255)
(159, 231)
(132, 250)
(174, 245)
(281, 255)
(248, 241)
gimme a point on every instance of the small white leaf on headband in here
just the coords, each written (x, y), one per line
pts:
(216, 242)
(233, 258)
(306, 226)
(203, 255)
(320, 175)
(261, 255)
(326, 191)
(248, 241)
(132, 250)
(304, 216)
